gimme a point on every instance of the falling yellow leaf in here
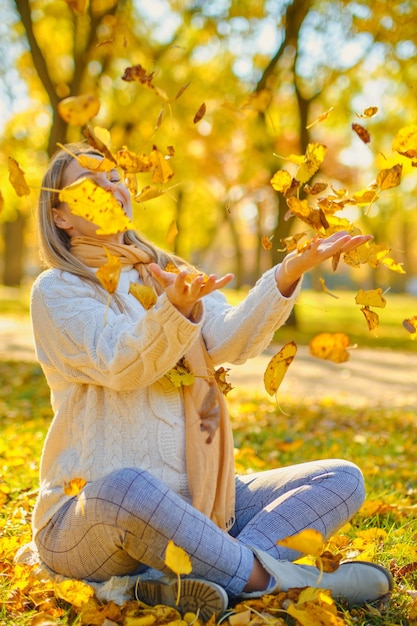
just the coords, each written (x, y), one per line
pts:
(390, 177)
(161, 169)
(75, 592)
(371, 297)
(313, 158)
(372, 318)
(97, 205)
(330, 346)
(278, 366)
(266, 242)
(290, 243)
(109, 273)
(405, 141)
(368, 112)
(308, 541)
(310, 215)
(220, 376)
(393, 265)
(17, 178)
(172, 232)
(78, 110)
(149, 193)
(144, 294)
(320, 118)
(74, 486)
(281, 181)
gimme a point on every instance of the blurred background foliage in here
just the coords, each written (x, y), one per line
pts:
(266, 70)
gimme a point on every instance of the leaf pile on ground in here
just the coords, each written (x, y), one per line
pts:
(380, 440)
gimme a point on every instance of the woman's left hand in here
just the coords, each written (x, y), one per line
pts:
(296, 263)
(183, 292)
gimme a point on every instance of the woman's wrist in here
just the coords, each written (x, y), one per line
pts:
(286, 278)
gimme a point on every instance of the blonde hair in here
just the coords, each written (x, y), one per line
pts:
(55, 244)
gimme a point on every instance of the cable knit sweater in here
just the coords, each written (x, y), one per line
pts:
(113, 407)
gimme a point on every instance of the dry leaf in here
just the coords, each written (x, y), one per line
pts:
(310, 215)
(143, 294)
(361, 132)
(329, 562)
(320, 118)
(315, 189)
(220, 377)
(74, 486)
(87, 199)
(372, 318)
(326, 290)
(389, 178)
(330, 346)
(368, 112)
(181, 91)
(78, 110)
(278, 366)
(17, 178)
(410, 324)
(371, 297)
(137, 73)
(290, 243)
(308, 541)
(149, 193)
(200, 113)
(266, 242)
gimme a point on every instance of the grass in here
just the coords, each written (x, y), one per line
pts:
(382, 441)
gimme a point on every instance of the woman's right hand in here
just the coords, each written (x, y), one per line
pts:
(183, 292)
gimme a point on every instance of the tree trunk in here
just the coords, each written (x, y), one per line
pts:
(13, 233)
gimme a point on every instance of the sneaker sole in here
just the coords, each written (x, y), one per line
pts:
(196, 596)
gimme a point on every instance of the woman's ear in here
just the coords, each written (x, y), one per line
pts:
(60, 219)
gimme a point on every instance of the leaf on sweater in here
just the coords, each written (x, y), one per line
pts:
(180, 374)
(74, 486)
(17, 178)
(143, 294)
(109, 273)
(278, 366)
(330, 346)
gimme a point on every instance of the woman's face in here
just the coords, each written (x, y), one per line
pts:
(75, 225)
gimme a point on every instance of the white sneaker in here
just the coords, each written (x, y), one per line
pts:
(355, 581)
(196, 595)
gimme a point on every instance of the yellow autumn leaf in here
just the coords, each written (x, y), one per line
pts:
(330, 346)
(149, 193)
(180, 375)
(278, 366)
(371, 297)
(308, 541)
(133, 163)
(372, 318)
(144, 294)
(281, 181)
(161, 169)
(391, 177)
(74, 486)
(405, 141)
(313, 158)
(95, 204)
(320, 118)
(172, 232)
(314, 615)
(109, 273)
(393, 265)
(78, 110)
(177, 559)
(75, 592)
(17, 178)
(308, 214)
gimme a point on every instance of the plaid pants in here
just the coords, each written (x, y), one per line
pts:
(127, 518)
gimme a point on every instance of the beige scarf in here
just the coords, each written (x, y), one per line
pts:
(208, 433)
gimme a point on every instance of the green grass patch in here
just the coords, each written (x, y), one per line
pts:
(382, 441)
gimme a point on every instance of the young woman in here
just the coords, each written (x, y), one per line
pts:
(157, 457)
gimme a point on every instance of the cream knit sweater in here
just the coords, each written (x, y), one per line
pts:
(112, 405)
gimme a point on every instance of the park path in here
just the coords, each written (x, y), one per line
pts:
(371, 377)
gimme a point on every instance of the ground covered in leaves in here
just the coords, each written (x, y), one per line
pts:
(382, 441)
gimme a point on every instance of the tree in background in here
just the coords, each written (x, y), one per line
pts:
(265, 73)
